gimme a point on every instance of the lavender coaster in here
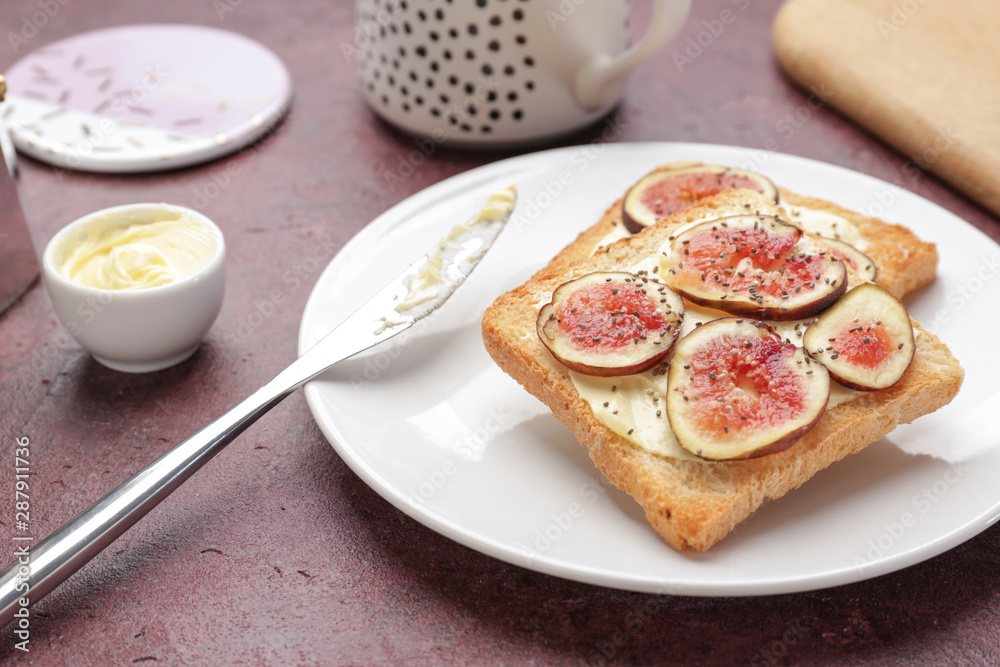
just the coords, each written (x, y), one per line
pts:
(144, 98)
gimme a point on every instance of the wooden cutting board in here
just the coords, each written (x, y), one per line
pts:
(922, 74)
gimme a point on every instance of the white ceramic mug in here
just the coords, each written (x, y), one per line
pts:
(489, 72)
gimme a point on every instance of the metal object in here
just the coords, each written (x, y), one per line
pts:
(18, 260)
(52, 561)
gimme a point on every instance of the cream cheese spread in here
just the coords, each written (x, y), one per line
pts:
(428, 282)
(112, 254)
(827, 224)
(449, 260)
(618, 232)
(425, 285)
(634, 406)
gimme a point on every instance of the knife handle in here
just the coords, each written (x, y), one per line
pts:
(62, 553)
(70, 547)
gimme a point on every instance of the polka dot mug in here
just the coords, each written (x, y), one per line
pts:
(501, 72)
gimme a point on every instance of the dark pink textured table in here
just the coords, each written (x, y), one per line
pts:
(276, 553)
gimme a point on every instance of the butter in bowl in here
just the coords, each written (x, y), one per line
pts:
(138, 286)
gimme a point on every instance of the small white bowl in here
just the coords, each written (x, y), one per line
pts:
(140, 330)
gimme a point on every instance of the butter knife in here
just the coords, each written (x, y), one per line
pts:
(410, 297)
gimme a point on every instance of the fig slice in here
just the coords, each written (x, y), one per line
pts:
(672, 189)
(736, 391)
(754, 265)
(611, 323)
(865, 340)
(858, 262)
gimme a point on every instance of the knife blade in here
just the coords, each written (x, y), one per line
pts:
(410, 297)
(19, 266)
(429, 281)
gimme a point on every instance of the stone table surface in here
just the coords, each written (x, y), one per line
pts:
(276, 552)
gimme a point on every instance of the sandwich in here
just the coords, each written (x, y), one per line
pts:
(715, 341)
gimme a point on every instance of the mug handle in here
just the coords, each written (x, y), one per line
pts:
(599, 82)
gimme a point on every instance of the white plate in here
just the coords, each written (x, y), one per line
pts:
(440, 432)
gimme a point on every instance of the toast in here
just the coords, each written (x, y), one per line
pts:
(690, 502)
(905, 262)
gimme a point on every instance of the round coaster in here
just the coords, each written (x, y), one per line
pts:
(144, 98)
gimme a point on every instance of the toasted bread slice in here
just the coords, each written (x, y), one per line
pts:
(905, 262)
(695, 503)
